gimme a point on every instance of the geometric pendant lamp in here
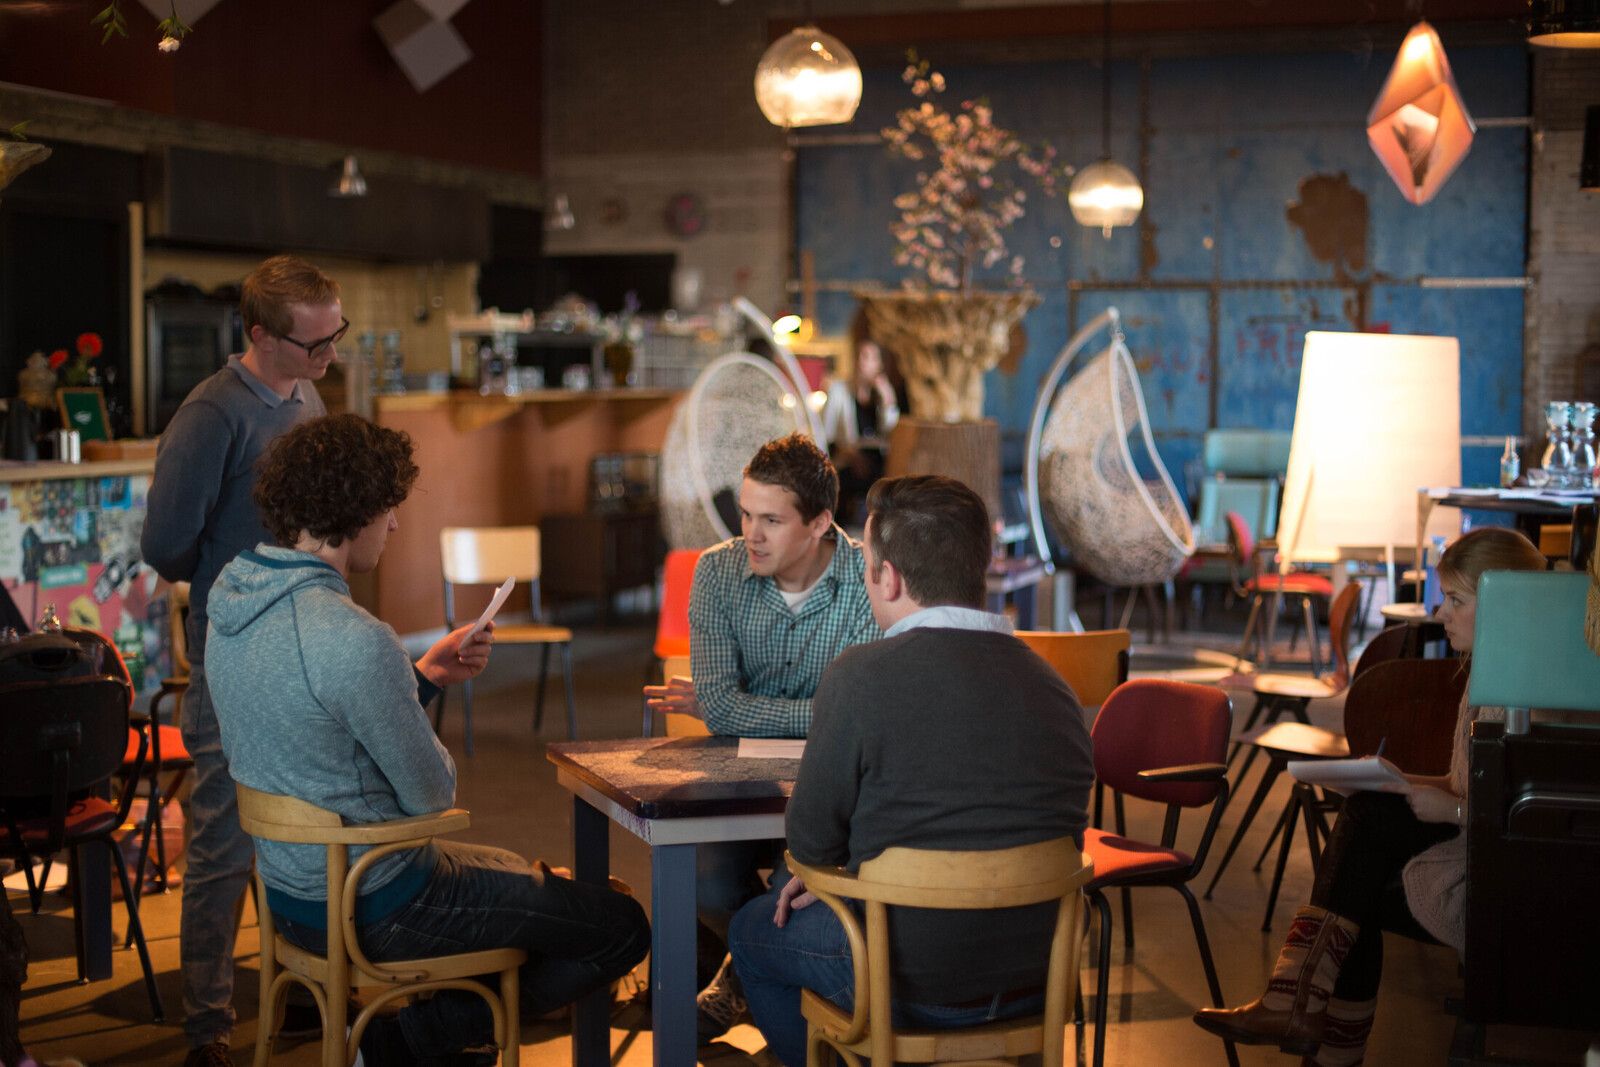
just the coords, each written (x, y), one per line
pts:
(1419, 126)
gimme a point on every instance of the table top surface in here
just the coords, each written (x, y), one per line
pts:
(678, 777)
(1523, 501)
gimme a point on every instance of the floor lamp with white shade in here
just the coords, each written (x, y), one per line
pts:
(1378, 417)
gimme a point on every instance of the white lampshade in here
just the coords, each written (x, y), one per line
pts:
(808, 78)
(1378, 418)
(1105, 194)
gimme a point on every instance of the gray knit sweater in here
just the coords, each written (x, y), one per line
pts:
(201, 513)
(945, 739)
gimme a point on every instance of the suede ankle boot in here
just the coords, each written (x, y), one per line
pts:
(1293, 1012)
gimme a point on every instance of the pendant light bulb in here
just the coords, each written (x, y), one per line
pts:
(351, 184)
(808, 78)
(1104, 195)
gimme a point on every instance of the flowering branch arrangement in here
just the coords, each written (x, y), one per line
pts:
(173, 29)
(975, 189)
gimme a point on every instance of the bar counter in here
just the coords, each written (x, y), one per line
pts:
(495, 461)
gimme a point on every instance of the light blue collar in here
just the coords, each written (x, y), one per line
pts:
(259, 387)
(951, 617)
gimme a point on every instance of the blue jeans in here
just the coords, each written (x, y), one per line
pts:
(220, 857)
(810, 952)
(578, 937)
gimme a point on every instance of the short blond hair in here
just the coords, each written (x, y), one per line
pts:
(272, 290)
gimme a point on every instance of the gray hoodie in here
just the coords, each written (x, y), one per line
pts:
(318, 700)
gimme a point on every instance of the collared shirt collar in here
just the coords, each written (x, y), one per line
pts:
(951, 617)
(259, 387)
(839, 567)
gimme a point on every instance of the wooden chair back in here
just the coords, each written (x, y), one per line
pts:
(1092, 663)
(1410, 707)
(1387, 644)
(344, 965)
(1052, 870)
(677, 723)
(1341, 617)
(477, 555)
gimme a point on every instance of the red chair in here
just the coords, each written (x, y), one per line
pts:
(1165, 742)
(672, 621)
(1304, 586)
(60, 742)
(168, 756)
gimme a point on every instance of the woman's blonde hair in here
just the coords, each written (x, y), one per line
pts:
(1488, 548)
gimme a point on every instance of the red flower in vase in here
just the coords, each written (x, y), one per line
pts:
(58, 359)
(90, 345)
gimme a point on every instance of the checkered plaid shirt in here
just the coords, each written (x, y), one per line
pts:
(755, 663)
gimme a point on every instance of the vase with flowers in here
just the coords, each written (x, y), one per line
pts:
(945, 331)
(79, 368)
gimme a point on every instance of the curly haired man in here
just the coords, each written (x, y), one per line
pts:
(317, 700)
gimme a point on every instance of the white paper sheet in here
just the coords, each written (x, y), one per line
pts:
(771, 748)
(1372, 774)
(489, 612)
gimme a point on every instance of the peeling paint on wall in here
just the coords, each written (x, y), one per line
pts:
(1332, 217)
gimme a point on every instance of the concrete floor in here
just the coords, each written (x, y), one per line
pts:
(511, 790)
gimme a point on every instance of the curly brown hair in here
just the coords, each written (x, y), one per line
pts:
(331, 477)
(796, 463)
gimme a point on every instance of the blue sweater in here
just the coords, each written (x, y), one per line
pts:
(318, 700)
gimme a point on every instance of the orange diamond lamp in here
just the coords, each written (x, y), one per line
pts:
(1419, 126)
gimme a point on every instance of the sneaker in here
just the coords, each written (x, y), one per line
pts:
(720, 1006)
(214, 1054)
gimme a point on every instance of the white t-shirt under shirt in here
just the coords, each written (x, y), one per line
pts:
(794, 600)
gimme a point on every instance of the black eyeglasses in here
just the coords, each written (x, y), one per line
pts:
(314, 348)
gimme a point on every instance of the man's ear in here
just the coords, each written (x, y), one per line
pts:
(890, 582)
(820, 525)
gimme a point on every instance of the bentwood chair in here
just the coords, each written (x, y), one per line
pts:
(488, 555)
(331, 976)
(1162, 741)
(61, 742)
(672, 621)
(923, 878)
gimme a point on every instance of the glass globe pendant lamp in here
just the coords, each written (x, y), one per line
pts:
(808, 78)
(1105, 194)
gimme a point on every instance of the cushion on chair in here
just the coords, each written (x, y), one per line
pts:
(1299, 582)
(87, 816)
(173, 749)
(1298, 686)
(1116, 858)
(669, 647)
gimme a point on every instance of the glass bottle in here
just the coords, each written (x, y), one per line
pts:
(1558, 451)
(1510, 464)
(1584, 459)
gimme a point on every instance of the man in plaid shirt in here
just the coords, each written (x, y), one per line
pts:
(768, 612)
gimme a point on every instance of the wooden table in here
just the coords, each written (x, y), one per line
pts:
(673, 794)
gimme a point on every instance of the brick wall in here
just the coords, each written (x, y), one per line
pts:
(1563, 313)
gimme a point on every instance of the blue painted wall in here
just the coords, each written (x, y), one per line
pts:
(1229, 141)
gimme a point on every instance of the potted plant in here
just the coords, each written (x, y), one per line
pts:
(945, 332)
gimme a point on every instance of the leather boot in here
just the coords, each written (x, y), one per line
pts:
(1293, 1012)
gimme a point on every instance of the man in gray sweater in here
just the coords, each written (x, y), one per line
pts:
(317, 700)
(200, 516)
(947, 734)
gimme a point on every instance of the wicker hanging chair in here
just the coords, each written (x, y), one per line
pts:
(737, 404)
(1082, 478)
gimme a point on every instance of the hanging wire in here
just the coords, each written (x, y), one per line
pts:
(1105, 82)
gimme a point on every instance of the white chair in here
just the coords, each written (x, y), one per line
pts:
(488, 555)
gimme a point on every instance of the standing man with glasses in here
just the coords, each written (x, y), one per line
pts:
(201, 515)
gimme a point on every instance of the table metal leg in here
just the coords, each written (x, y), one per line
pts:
(672, 953)
(591, 855)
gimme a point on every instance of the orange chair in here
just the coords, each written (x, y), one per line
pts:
(672, 622)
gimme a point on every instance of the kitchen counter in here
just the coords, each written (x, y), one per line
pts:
(44, 471)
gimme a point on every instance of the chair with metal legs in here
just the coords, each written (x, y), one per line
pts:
(488, 556)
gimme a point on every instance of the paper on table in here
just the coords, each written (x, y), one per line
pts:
(771, 747)
(494, 606)
(1373, 774)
